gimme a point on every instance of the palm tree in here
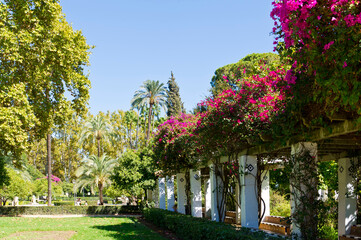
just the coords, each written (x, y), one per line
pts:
(95, 172)
(150, 93)
(97, 128)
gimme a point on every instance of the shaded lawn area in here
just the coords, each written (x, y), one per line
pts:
(85, 227)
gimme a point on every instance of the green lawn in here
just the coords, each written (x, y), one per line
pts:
(85, 227)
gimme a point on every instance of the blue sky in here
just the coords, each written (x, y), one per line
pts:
(136, 40)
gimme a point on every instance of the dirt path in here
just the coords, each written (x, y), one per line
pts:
(41, 235)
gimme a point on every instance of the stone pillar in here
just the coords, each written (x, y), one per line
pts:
(265, 194)
(208, 196)
(249, 202)
(238, 207)
(181, 192)
(347, 198)
(295, 194)
(156, 196)
(170, 193)
(161, 188)
(216, 194)
(196, 189)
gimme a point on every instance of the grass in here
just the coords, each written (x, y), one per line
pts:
(86, 227)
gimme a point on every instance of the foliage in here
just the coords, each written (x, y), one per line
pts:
(135, 172)
(250, 65)
(280, 182)
(60, 210)
(41, 188)
(16, 187)
(152, 93)
(42, 58)
(239, 118)
(4, 177)
(96, 129)
(302, 169)
(321, 39)
(16, 115)
(328, 232)
(187, 227)
(175, 144)
(95, 172)
(174, 102)
(279, 205)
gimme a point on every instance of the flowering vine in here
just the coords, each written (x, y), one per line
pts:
(323, 40)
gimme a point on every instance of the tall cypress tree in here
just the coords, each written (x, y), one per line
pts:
(174, 103)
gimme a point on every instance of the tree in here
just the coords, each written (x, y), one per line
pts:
(95, 172)
(97, 128)
(42, 58)
(16, 187)
(135, 172)
(174, 103)
(231, 76)
(151, 93)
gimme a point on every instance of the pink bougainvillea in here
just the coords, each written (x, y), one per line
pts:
(323, 38)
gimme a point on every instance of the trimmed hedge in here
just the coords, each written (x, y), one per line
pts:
(189, 228)
(63, 210)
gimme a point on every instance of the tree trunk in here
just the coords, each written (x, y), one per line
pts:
(188, 192)
(149, 120)
(136, 137)
(48, 146)
(98, 140)
(100, 186)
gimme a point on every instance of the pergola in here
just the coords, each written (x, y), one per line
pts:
(340, 141)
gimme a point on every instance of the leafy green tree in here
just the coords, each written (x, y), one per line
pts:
(95, 172)
(96, 129)
(252, 64)
(151, 93)
(40, 187)
(44, 58)
(135, 172)
(174, 103)
(16, 187)
(4, 178)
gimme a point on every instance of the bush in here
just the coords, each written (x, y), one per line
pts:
(279, 205)
(63, 203)
(188, 227)
(63, 210)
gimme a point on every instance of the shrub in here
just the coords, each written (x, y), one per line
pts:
(63, 210)
(280, 206)
(188, 228)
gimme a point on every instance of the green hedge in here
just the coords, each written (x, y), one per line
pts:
(61, 210)
(189, 228)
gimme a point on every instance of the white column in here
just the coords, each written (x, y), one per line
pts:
(161, 185)
(216, 193)
(156, 195)
(297, 149)
(238, 207)
(208, 196)
(347, 198)
(249, 202)
(265, 207)
(170, 193)
(196, 189)
(181, 193)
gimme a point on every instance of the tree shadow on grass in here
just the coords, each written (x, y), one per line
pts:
(127, 231)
